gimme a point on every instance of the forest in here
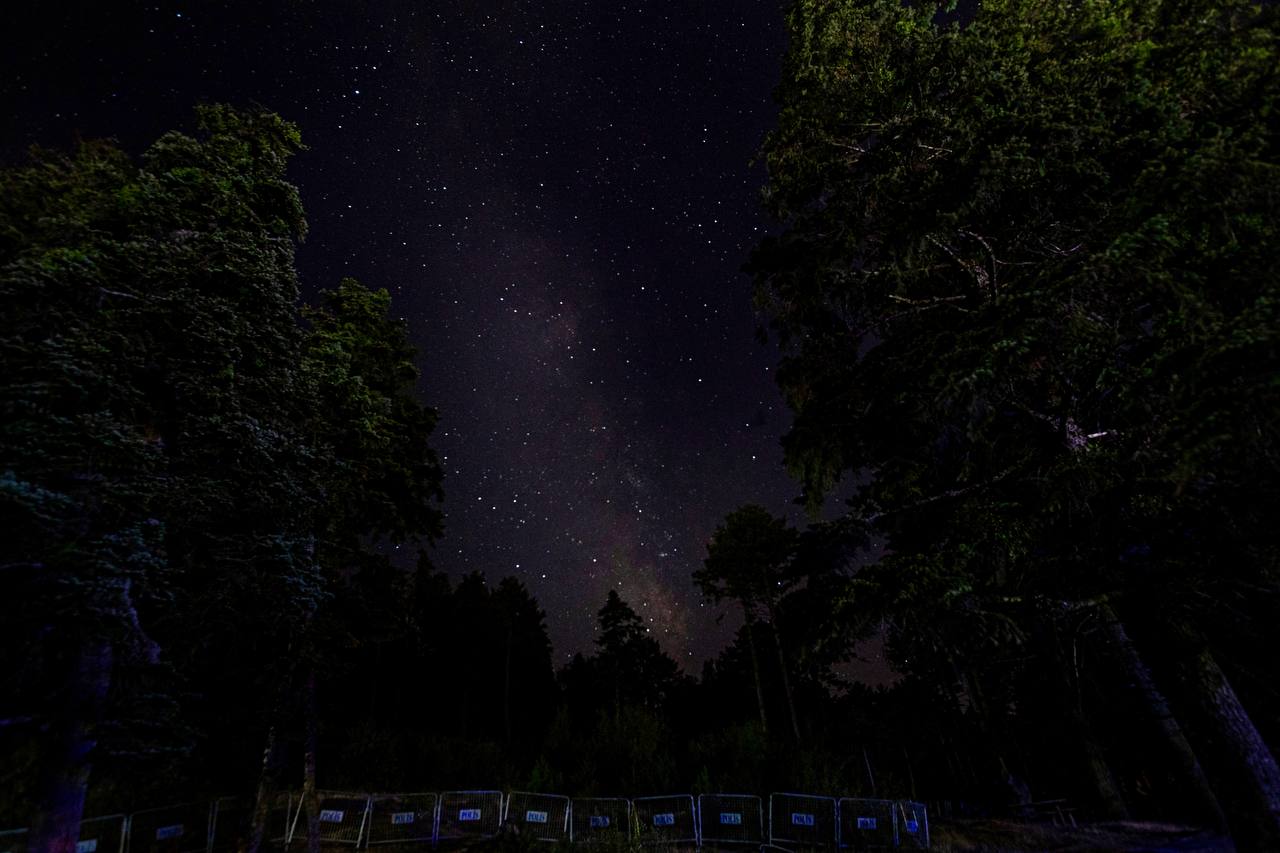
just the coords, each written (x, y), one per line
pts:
(1025, 287)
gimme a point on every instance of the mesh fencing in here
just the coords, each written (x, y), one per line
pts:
(730, 819)
(470, 814)
(408, 819)
(342, 820)
(102, 835)
(666, 820)
(544, 817)
(913, 825)
(802, 819)
(353, 820)
(233, 821)
(173, 829)
(868, 824)
(599, 819)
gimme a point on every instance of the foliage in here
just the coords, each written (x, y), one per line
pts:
(1025, 291)
(193, 474)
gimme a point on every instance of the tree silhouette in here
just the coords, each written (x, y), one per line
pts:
(749, 561)
(1020, 308)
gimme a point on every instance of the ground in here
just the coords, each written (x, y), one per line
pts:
(1009, 836)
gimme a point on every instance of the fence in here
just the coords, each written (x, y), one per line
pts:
(803, 820)
(357, 821)
(597, 819)
(175, 829)
(666, 820)
(730, 819)
(913, 825)
(542, 817)
(406, 820)
(868, 824)
(469, 814)
(232, 820)
(342, 820)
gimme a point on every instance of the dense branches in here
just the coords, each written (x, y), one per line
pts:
(191, 473)
(1026, 285)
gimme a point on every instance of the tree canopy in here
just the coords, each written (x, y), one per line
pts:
(1026, 293)
(193, 472)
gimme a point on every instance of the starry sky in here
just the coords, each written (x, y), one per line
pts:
(559, 195)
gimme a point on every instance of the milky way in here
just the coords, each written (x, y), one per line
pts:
(559, 197)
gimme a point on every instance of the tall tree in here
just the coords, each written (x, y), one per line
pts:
(151, 346)
(381, 479)
(193, 472)
(749, 561)
(633, 665)
(1024, 292)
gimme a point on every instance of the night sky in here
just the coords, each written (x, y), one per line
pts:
(559, 197)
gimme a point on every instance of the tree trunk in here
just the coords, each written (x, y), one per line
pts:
(1194, 780)
(375, 678)
(871, 777)
(64, 765)
(1237, 745)
(786, 680)
(266, 786)
(506, 691)
(755, 671)
(617, 693)
(990, 743)
(911, 774)
(310, 798)
(1082, 746)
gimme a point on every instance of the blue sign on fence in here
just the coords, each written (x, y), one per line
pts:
(664, 819)
(599, 821)
(913, 826)
(535, 817)
(802, 819)
(468, 814)
(87, 846)
(866, 823)
(731, 818)
(174, 831)
(398, 818)
(331, 815)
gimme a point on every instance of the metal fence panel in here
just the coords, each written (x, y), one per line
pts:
(469, 814)
(730, 819)
(666, 820)
(173, 829)
(355, 820)
(802, 819)
(233, 818)
(599, 819)
(342, 819)
(913, 825)
(102, 834)
(544, 817)
(868, 824)
(408, 819)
